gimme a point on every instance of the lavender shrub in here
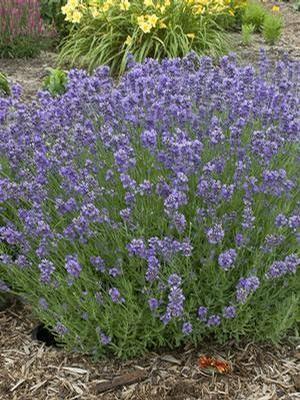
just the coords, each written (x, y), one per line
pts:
(155, 211)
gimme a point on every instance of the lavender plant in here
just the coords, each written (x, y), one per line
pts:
(156, 211)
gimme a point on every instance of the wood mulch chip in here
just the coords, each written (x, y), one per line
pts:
(31, 371)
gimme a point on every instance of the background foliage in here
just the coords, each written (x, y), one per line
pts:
(52, 14)
(22, 31)
(106, 32)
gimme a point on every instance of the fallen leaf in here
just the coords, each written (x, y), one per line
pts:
(221, 366)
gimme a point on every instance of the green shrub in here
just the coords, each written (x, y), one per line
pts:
(247, 32)
(51, 14)
(159, 210)
(254, 14)
(56, 81)
(272, 28)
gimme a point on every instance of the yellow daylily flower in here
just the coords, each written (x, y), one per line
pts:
(162, 25)
(191, 35)
(95, 13)
(128, 40)
(152, 19)
(199, 9)
(143, 24)
(148, 3)
(124, 5)
(76, 17)
(65, 9)
(275, 8)
(73, 3)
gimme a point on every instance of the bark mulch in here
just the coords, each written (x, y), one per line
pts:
(31, 371)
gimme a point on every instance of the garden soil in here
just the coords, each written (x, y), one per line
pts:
(31, 371)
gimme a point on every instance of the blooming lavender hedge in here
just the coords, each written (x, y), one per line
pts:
(155, 211)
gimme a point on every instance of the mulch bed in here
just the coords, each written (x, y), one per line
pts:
(31, 371)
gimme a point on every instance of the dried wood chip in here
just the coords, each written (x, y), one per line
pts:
(75, 371)
(123, 380)
(17, 385)
(38, 385)
(170, 359)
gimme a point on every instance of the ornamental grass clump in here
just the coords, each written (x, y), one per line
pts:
(105, 32)
(157, 211)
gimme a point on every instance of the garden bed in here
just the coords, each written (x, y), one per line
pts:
(29, 370)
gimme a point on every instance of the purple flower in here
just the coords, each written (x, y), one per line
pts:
(281, 220)
(292, 263)
(153, 269)
(72, 266)
(227, 259)
(149, 138)
(248, 217)
(202, 313)
(294, 222)
(215, 234)
(4, 287)
(115, 295)
(239, 240)
(137, 248)
(105, 340)
(245, 287)
(280, 268)
(43, 303)
(213, 320)
(22, 261)
(187, 328)
(174, 280)
(229, 312)
(114, 272)
(46, 268)
(175, 299)
(179, 222)
(153, 304)
(61, 329)
(126, 214)
(277, 269)
(98, 263)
